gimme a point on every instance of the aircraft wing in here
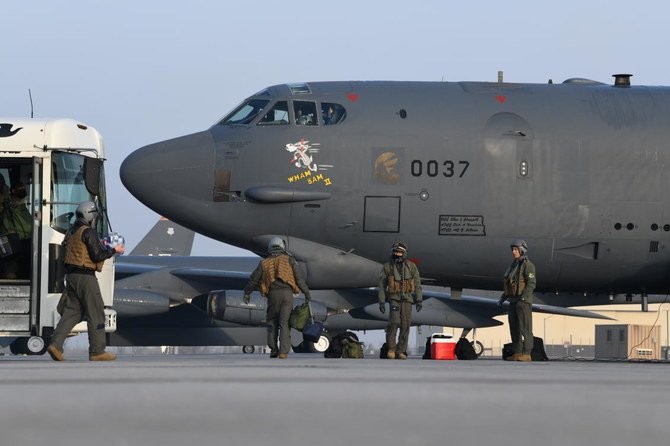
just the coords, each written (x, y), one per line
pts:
(124, 269)
(442, 309)
(152, 289)
(215, 277)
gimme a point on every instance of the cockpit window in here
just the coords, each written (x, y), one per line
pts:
(278, 115)
(245, 113)
(299, 88)
(332, 113)
(305, 113)
(263, 92)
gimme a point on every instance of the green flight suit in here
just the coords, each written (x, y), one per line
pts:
(519, 284)
(400, 316)
(15, 218)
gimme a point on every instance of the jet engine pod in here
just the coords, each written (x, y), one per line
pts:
(134, 303)
(229, 306)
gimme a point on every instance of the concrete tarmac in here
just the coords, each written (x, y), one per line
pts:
(240, 399)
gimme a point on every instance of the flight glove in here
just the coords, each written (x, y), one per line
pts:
(419, 306)
(246, 298)
(382, 307)
(307, 298)
(501, 301)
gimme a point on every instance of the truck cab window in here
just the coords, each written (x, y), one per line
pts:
(305, 113)
(68, 189)
(278, 115)
(332, 113)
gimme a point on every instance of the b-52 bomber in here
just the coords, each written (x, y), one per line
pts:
(455, 170)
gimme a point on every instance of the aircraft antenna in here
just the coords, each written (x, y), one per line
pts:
(30, 95)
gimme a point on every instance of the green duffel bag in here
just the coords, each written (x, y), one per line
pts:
(352, 349)
(299, 316)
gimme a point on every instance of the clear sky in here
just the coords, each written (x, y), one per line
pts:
(146, 71)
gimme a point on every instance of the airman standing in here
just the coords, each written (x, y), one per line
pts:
(519, 284)
(400, 278)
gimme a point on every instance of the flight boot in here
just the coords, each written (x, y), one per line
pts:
(402, 356)
(274, 354)
(104, 356)
(390, 355)
(55, 353)
(282, 356)
(513, 357)
(524, 358)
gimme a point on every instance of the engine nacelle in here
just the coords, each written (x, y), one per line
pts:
(134, 303)
(229, 306)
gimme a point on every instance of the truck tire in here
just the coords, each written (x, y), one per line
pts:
(33, 346)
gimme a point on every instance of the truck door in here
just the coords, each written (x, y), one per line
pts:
(38, 244)
(20, 254)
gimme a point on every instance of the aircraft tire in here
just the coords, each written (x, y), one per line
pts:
(479, 347)
(317, 347)
(248, 349)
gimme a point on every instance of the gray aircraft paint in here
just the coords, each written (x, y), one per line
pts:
(455, 170)
(152, 304)
(166, 238)
(148, 288)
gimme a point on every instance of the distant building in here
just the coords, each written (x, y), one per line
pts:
(566, 336)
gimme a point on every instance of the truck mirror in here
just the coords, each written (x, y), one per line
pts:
(92, 167)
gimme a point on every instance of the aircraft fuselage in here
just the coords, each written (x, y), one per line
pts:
(454, 170)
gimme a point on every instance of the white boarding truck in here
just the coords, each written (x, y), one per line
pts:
(60, 161)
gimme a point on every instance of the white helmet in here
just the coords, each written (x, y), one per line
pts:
(276, 244)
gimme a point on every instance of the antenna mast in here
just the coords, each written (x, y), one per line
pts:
(30, 95)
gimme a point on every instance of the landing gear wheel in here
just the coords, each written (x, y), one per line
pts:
(479, 347)
(319, 346)
(248, 349)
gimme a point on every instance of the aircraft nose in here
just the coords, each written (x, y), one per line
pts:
(157, 173)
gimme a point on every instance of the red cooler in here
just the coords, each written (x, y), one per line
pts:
(442, 347)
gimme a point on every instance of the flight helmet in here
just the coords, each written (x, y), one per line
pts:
(523, 248)
(88, 212)
(399, 251)
(276, 244)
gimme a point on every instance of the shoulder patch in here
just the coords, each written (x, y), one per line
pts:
(531, 275)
